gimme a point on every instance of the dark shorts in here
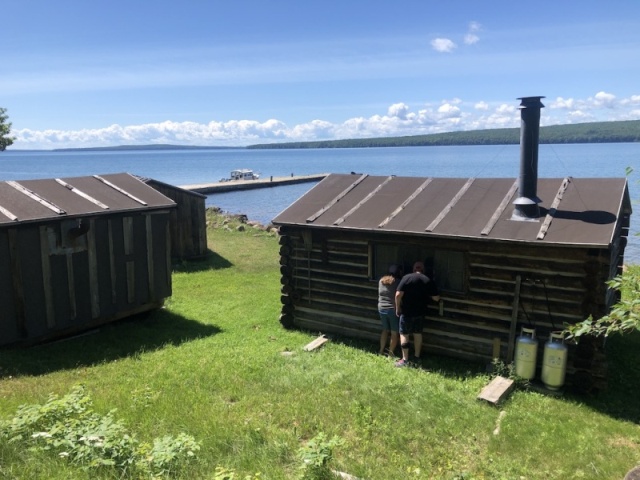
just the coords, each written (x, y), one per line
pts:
(409, 325)
(389, 319)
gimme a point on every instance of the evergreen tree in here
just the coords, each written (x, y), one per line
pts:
(5, 129)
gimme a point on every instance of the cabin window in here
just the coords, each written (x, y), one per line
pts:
(449, 269)
(68, 236)
(446, 267)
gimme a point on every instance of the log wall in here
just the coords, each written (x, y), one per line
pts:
(327, 286)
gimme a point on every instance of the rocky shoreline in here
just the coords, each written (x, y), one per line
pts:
(218, 218)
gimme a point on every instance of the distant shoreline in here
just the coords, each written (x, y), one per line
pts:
(155, 146)
(627, 131)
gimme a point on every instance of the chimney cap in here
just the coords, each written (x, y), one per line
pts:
(528, 102)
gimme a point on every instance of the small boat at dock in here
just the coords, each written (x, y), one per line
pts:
(241, 174)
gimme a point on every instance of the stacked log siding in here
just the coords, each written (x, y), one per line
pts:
(327, 287)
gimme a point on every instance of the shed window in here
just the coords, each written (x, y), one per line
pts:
(446, 267)
(66, 237)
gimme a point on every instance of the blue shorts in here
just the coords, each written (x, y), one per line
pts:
(389, 319)
(410, 325)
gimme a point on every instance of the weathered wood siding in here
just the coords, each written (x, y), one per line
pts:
(187, 222)
(54, 285)
(327, 286)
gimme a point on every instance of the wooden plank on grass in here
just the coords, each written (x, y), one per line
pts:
(317, 343)
(497, 390)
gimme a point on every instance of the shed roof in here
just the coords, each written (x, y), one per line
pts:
(574, 211)
(46, 199)
(153, 181)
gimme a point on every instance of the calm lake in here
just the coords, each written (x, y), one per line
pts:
(184, 167)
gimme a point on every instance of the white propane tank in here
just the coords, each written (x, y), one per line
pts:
(554, 361)
(526, 353)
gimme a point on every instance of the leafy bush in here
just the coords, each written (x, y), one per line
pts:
(69, 427)
(624, 316)
(316, 456)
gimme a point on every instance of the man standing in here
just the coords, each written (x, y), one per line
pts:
(412, 297)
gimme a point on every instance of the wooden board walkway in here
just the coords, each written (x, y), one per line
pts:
(232, 185)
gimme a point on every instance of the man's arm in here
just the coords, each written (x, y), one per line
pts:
(399, 295)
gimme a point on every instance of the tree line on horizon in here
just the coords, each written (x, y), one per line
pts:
(626, 131)
(596, 132)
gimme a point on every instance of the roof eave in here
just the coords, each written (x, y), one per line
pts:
(444, 236)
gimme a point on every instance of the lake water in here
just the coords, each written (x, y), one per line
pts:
(183, 167)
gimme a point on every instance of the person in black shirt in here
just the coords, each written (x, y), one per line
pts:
(412, 297)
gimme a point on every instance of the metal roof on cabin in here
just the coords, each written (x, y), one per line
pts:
(33, 200)
(586, 211)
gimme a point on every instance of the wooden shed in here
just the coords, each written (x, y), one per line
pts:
(188, 225)
(497, 269)
(79, 252)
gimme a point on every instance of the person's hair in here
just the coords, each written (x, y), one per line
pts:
(388, 280)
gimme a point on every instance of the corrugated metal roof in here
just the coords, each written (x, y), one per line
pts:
(582, 211)
(34, 200)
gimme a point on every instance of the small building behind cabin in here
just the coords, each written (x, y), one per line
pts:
(188, 224)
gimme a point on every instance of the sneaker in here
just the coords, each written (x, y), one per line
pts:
(402, 363)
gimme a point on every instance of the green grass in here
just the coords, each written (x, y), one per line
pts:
(217, 365)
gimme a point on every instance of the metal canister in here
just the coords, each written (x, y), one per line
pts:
(526, 353)
(554, 361)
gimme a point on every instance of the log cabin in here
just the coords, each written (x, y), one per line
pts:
(80, 252)
(505, 253)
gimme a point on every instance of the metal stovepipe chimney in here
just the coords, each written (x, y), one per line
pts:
(526, 205)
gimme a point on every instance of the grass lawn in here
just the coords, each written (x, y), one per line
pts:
(215, 364)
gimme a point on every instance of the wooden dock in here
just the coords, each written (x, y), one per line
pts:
(233, 185)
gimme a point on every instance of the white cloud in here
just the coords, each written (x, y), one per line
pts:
(505, 109)
(449, 115)
(474, 27)
(443, 45)
(448, 110)
(632, 100)
(578, 116)
(564, 103)
(446, 45)
(603, 99)
(314, 130)
(471, 38)
(398, 110)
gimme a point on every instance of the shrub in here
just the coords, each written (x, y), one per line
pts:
(69, 427)
(316, 456)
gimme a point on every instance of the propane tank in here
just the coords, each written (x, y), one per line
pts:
(554, 361)
(526, 353)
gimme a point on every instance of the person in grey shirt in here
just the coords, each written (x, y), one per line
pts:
(386, 309)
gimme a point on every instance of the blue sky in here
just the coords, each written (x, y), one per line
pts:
(232, 73)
